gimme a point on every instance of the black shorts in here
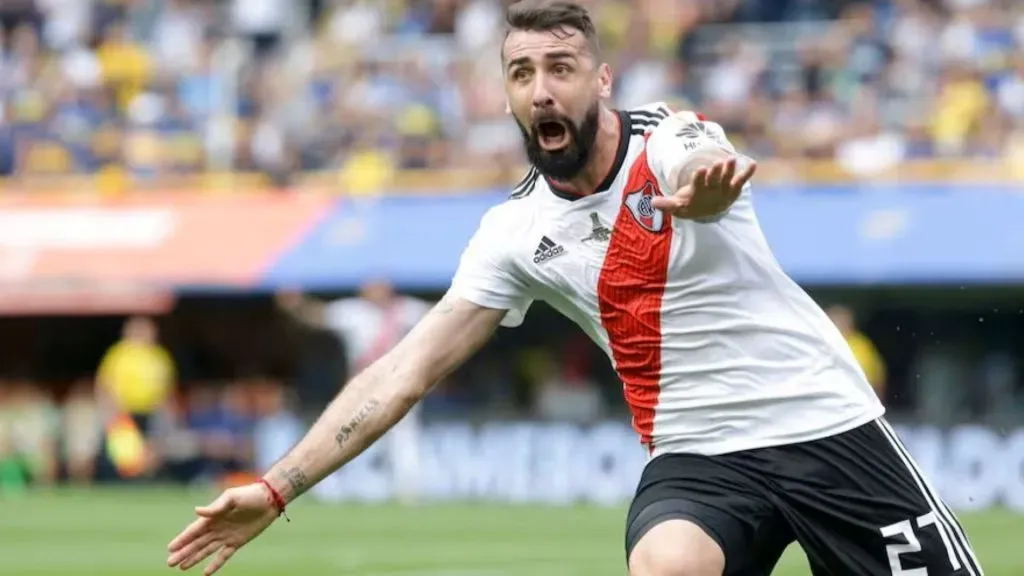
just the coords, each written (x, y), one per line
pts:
(856, 503)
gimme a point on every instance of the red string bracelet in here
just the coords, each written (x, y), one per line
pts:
(276, 499)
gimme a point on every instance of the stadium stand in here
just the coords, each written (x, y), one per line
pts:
(357, 97)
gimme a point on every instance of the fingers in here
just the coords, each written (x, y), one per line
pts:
(700, 178)
(219, 560)
(672, 203)
(223, 503)
(201, 554)
(186, 552)
(714, 178)
(741, 179)
(728, 172)
(720, 178)
(720, 174)
(189, 534)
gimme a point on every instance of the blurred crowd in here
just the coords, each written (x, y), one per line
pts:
(148, 90)
(132, 419)
(215, 391)
(158, 403)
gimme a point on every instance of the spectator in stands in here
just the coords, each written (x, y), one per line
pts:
(368, 167)
(960, 105)
(880, 84)
(870, 360)
(13, 475)
(126, 65)
(262, 23)
(218, 420)
(136, 379)
(277, 425)
(32, 421)
(179, 35)
(82, 432)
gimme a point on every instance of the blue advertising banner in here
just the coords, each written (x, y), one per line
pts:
(842, 234)
(973, 467)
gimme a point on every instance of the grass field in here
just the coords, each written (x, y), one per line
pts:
(125, 533)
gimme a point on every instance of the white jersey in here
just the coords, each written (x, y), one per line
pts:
(718, 350)
(369, 331)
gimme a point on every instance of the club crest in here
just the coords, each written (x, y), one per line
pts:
(639, 204)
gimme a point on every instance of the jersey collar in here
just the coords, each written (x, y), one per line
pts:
(620, 158)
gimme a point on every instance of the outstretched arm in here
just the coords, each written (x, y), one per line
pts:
(378, 397)
(701, 170)
(371, 403)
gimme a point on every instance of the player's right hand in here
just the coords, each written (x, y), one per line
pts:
(712, 185)
(237, 516)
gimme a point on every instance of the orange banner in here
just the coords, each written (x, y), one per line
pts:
(150, 239)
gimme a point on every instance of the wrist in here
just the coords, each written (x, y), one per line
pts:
(289, 482)
(274, 497)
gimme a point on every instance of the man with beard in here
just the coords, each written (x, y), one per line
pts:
(638, 225)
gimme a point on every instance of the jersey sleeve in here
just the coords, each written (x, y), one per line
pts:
(486, 275)
(678, 139)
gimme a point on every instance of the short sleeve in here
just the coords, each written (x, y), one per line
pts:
(486, 276)
(678, 139)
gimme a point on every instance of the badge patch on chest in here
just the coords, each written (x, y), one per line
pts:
(639, 204)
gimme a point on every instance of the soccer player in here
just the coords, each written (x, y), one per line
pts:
(638, 225)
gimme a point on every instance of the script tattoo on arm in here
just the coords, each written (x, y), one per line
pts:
(346, 431)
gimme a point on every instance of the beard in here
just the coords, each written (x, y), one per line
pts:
(567, 162)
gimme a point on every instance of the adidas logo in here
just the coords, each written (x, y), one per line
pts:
(547, 250)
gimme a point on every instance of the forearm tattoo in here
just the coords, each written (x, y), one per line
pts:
(346, 431)
(297, 480)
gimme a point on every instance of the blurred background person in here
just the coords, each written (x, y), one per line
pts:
(31, 434)
(82, 432)
(135, 385)
(368, 327)
(217, 424)
(870, 360)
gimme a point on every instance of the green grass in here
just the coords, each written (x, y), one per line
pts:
(125, 532)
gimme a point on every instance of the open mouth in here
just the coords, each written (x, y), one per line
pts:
(552, 135)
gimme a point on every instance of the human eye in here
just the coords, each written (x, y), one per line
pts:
(520, 74)
(561, 69)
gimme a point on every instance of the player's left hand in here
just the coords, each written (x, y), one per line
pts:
(711, 191)
(228, 523)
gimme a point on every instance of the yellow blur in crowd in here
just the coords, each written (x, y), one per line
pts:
(863, 349)
(961, 104)
(870, 360)
(125, 65)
